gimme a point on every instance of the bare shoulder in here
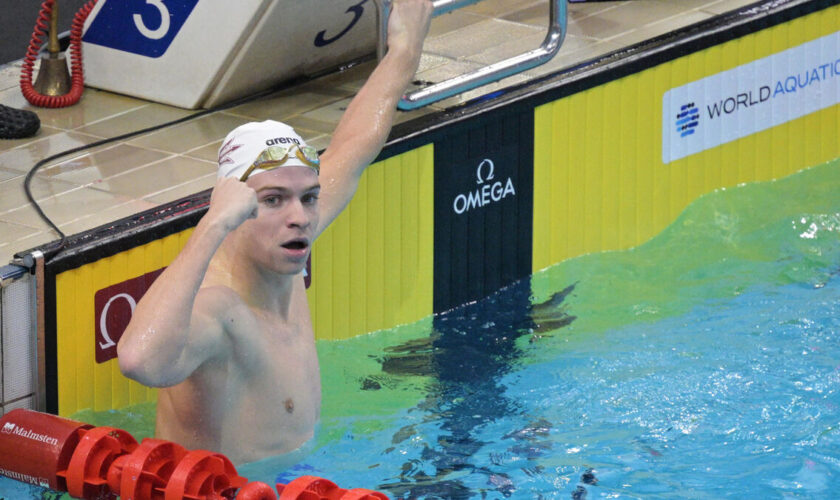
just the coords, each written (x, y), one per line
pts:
(219, 303)
(219, 316)
(217, 296)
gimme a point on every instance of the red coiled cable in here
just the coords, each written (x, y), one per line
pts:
(77, 72)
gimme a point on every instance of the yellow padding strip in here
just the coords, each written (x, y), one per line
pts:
(600, 183)
(82, 383)
(372, 268)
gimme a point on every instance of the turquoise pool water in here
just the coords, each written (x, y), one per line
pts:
(703, 364)
(738, 398)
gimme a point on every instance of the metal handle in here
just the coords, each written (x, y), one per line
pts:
(482, 76)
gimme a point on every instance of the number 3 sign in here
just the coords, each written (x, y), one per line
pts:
(144, 27)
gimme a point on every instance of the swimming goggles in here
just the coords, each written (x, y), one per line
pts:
(275, 156)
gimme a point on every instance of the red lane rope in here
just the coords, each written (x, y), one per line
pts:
(77, 71)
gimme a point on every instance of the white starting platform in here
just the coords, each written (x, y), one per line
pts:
(200, 53)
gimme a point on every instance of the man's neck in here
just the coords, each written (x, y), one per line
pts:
(259, 288)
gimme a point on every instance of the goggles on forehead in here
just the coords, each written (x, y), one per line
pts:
(275, 156)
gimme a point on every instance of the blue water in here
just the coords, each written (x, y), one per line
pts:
(702, 364)
(736, 398)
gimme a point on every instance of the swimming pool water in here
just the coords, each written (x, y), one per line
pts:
(738, 398)
(702, 364)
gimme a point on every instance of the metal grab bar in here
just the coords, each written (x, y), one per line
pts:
(482, 76)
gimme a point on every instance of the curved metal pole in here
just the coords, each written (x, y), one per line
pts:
(482, 76)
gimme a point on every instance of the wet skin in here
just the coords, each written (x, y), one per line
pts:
(225, 330)
(260, 395)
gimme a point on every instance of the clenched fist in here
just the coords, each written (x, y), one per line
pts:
(231, 203)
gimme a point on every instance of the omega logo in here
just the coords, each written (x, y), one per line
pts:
(486, 194)
(491, 169)
(103, 327)
(113, 308)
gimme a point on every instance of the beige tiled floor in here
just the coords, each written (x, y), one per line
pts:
(117, 180)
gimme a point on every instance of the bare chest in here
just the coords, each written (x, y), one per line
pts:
(262, 399)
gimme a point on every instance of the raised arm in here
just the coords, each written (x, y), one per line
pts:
(365, 125)
(175, 327)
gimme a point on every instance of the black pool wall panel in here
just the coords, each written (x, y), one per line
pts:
(484, 176)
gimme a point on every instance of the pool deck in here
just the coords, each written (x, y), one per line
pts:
(98, 186)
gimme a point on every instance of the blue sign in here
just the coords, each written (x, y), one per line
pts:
(144, 27)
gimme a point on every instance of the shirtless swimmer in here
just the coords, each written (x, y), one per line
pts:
(225, 330)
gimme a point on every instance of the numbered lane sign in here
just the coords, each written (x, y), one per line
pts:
(143, 27)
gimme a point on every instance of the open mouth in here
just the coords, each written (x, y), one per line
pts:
(296, 245)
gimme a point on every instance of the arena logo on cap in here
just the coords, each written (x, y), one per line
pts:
(281, 140)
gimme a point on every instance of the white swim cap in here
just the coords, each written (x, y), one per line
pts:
(245, 144)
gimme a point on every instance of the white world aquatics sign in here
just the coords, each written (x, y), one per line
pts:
(750, 98)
